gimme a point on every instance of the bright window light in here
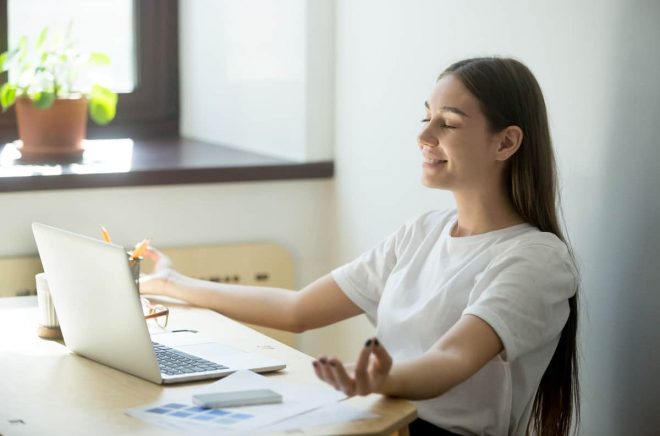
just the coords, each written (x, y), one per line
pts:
(97, 26)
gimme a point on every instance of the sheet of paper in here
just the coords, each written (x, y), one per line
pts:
(326, 415)
(181, 414)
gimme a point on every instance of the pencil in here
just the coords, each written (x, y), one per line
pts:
(106, 235)
(139, 249)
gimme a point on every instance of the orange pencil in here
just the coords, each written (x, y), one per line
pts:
(106, 235)
(139, 249)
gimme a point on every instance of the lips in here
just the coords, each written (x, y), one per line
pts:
(431, 160)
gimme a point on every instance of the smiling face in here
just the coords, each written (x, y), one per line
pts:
(459, 150)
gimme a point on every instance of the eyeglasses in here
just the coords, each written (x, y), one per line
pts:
(159, 313)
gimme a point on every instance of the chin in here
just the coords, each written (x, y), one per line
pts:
(433, 184)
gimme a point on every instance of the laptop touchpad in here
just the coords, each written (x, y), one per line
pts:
(211, 351)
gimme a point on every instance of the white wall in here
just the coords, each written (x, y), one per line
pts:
(598, 65)
(295, 214)
(257, 74)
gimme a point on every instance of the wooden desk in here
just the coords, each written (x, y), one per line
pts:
(46, 389)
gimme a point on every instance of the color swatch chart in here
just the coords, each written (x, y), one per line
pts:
(222, 417)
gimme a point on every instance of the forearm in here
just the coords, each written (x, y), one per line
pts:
(425, 377)
(269, 307)
(466, 348)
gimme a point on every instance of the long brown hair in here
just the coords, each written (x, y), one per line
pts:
(510, 95)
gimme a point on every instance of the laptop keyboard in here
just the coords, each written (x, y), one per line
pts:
(175, 362)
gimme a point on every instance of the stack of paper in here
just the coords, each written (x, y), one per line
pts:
(303, 406)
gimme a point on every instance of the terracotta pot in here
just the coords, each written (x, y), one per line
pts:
(54, 134)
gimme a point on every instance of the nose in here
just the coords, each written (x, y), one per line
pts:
(425, 139)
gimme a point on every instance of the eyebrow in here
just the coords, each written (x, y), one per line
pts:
(452, 109)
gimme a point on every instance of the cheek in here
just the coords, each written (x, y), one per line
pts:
(471, 148)
(460, 149)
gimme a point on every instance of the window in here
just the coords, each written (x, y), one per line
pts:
(99, 25)
(141, 37)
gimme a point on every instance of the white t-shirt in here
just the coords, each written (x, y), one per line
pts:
(418, 282)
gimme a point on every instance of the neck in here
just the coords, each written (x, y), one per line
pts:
(483, 211)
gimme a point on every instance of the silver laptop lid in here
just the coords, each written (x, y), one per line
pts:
(96, 301)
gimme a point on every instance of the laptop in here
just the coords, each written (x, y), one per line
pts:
(100, 314)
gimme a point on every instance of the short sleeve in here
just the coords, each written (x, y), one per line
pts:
(363, 279)
(523, 295)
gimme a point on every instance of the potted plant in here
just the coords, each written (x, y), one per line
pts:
(49, 82)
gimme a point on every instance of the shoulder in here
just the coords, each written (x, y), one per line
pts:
(539, 251)
(535, 240)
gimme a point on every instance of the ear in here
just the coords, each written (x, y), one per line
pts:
(509, 141)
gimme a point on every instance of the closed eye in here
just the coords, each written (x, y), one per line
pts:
(442, 125)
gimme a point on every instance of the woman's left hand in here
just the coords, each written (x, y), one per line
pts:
(367, 375)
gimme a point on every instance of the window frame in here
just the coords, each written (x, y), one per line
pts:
(152, 109)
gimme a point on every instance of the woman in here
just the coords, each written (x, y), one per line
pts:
(476, 307)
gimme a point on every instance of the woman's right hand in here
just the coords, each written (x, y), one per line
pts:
(160, 279)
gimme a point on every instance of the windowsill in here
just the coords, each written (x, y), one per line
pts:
(161, 161)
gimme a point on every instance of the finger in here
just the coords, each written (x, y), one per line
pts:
(152, 253)
(384, 359)
(317, 369)
(361, 375)
(160, 260)
(328, 376)
(346, 383)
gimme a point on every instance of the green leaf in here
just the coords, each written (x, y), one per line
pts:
(24, 68)
(7, 95)
(99, 58)
(43, 100)
(102, 110)
(22, 48)
(103, 92)
(9, 60)
(3, 59)
(41, 38)
(102, 104)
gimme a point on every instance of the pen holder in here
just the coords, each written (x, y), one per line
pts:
(49, 325)
(134, 264)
